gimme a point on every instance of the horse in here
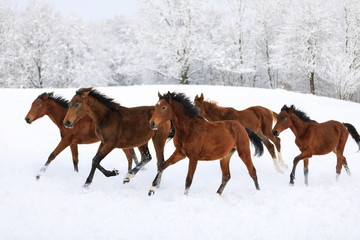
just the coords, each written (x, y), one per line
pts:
(258, 119)
(199, 139)
(55, 107)
(117, 127)
(313, 138)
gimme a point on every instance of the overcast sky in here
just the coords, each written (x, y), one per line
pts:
(90, 10)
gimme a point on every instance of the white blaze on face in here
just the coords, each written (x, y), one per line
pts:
(158, 103)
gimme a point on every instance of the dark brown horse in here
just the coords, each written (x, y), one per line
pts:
(199, 139)
(82, 133)
(315, 138)
(258, 119)
(117, 127)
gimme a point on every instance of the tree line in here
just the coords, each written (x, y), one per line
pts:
(309, 46)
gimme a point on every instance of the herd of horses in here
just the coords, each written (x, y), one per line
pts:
(201, 130)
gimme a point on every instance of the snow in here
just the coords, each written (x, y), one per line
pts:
(57, 207)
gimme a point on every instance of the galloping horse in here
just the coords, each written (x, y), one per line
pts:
(315, 138)
(82, 133)
(117, 127)
(258, 119)
(199, 139)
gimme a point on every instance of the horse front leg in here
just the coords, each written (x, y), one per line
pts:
(75, 156)
(303, 155)
(306, 171)
(190, 174)
(102, 152)
(64, 143)
(174, 158)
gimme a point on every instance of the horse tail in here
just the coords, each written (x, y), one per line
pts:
(355, 135)
(274, 115)
(256, 142)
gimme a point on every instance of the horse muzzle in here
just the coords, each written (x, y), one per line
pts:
(28, 120)
(153, 126)
(67, 124)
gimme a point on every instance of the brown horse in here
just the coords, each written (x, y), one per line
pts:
(117, 127)
(198, 139)
(258, 119)
(82, 133)
(315, 138)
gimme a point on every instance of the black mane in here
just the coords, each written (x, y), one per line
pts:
(300, 114)
(185, 101)
(57, 99)
(108, 102)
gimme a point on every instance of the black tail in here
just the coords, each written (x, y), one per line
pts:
(355, 135)
(256, 141)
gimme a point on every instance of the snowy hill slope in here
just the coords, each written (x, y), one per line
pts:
(56, 207)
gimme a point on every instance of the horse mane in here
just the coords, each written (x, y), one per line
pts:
(56, 98)
(108, 102)
(300, 114)
(185, 101)
(218, 110)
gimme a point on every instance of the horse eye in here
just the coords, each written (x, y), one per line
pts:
(76, 105)
(38, 105)
(163, 107)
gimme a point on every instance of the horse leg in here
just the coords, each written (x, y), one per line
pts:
(130, 156)
(271, 149)
(276, 141)
(75, 154)
(306, 171)
(64, 143)
(174, 158)
(224, 165)
(245, 156)
(102, 152)
(190, 175)
(145, 158)
(345, 165)
(159, 141)
(303, 155)
(106, 173)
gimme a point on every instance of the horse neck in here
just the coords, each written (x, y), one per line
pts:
(212, 111)
(298, 126)
(56, 113)
(181, 119)
(97, 111)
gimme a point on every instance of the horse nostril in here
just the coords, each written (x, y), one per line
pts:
(67, 124)
(275, 133)
(27, 120)
(152, 125)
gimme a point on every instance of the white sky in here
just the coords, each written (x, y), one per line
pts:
(89, 10)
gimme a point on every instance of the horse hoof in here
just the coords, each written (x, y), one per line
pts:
(116, 172)
(126, 180)
(291, 184)
(86, 186)
(151, 192)
(37, 177)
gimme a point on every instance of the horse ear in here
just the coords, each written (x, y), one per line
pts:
(202, 97)
(159, 95)
(168, 96)
(291, 108)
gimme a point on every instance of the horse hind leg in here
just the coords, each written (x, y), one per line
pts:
(224, 164)
(345, 165)
(306, 171)
(270, 147)
(245, 156)
(145, 158)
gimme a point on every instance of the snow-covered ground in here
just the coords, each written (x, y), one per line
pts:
(56, 207)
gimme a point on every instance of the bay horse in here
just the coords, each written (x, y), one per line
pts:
(315, 138)
(199, 139)
(55, 107)
(117, 127)
(257, 118)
